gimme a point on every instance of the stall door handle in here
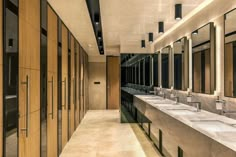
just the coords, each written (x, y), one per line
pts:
(64, 94)
(26, 83)
(52, 84)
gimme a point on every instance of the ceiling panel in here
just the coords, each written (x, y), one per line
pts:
(74, 13)
(132, 20)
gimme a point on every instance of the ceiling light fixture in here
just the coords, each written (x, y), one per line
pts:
(96, 18)
(178, 11)
(99, 35)
(195, 32)
(150, 37)
(161, 27)
(143, 44)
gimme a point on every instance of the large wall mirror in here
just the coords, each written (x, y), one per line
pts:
(180, 50)
(203, 59)
(230, 54)
(165, 67)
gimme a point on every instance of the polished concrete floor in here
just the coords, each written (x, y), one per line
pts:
(102, 135)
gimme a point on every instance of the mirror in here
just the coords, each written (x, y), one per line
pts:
(230, 55)
(10, 79)
(180, 52)
(165, 67)
(203, 60)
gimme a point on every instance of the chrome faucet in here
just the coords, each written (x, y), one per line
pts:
(174, 96)
(221, 105)
(197, 105)
(161, 93)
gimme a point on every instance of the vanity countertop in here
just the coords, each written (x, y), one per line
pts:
(219, 128)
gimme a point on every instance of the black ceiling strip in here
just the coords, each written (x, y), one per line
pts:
(12, 7)
(206, 42)
(95, 16)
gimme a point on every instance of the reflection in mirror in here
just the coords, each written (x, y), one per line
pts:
(230, 54)
(137, 73)
(59, 67)
(147, 61)
(203, 59)
(180, 48)
(155, 70)
(165, 65)
(136, 76)
(10, 85)
(43, 80)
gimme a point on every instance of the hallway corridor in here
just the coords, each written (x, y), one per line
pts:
(101, 134)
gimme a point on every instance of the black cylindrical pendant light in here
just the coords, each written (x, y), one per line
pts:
(143, 43)
(10, 42)
(178, 11)
(150, 37)
(195, 32)
(161, 27)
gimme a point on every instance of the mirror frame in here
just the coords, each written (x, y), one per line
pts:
(212, 58)
(170, 80)
(225, 35)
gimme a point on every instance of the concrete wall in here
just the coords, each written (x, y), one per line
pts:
(97, 92)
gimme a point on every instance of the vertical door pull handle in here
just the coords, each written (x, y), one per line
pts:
(26, 83)
(52, 85)
(64, 93)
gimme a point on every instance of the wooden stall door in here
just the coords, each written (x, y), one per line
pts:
(64, 85)
(81, 84)
(77, 72)
(72, 96)
(52, 84)
(29, 78)
(113, 82)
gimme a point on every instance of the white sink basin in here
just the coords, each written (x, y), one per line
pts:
(213, 125)
(181, 111)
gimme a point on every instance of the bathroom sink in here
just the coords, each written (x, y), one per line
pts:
(179, 111)
(214, 125)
